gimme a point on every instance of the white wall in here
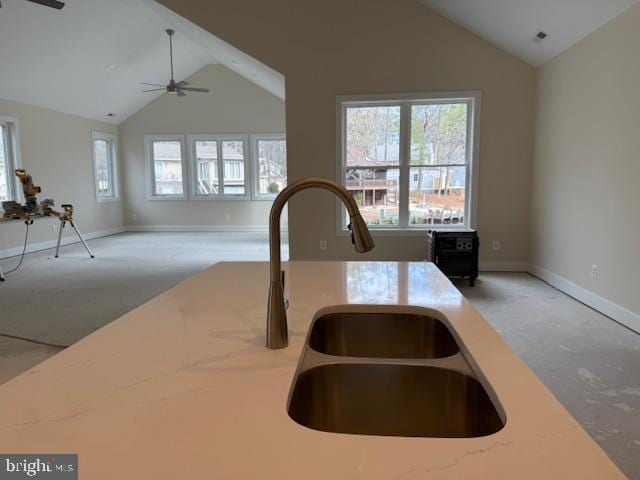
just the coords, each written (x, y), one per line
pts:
(586, 171)
(234, 105)
(353, 47)
(56, 151)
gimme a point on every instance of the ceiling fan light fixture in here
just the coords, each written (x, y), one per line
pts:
(177, 88)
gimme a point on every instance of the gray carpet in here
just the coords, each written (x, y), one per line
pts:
(589, 362)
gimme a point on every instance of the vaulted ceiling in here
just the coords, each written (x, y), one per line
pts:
(88, 58)
(513, 24)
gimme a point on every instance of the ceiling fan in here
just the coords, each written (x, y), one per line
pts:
(174, 87)
(47, 3)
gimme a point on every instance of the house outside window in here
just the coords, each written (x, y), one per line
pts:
(410, 161)
(105, 150)
(167, 167)
(220, 166)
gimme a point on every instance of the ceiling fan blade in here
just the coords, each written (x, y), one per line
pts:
(153, 90)
(194, 89)
(49, 3)
(182, 83)
(180, 93)
(152, 84)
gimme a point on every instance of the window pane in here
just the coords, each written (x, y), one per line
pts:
(377, 194)
(207, 167)
(439, 134)
(373, 136)
(5, 174)
(101, 155)
(437, 195)
(167, 163)
(233, 161)
(272, 166)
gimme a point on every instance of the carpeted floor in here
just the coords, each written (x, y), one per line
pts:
(588, 361)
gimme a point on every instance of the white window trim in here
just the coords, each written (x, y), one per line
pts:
(14, 156)
(113, 160)
(150, 168)
(219, 138)
(474, 98)
(255, 170)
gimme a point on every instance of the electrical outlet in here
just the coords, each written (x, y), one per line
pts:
(134, 216)
(594, 271)
(495, 245)
(227, 216)
(323, 244)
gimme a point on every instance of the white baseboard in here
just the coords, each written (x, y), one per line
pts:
(616, 312)
(198, 228)
(495, 266)
(66, 240)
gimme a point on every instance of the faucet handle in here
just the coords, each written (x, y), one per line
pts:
(353, 237)
(286, 300)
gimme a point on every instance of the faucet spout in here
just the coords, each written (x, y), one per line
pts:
(277, 331)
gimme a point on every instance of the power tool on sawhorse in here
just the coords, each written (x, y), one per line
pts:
(32, 208)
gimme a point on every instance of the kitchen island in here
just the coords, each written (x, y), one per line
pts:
(183, 387)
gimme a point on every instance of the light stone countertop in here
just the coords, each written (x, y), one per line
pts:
(183, 388)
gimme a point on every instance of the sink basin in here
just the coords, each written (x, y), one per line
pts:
(393, 400)
(382, 335)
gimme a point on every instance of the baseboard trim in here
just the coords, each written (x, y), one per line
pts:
(620, 314)
(198, 228)
(501, 266)
(66, 240)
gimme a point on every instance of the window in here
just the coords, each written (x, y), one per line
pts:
(219, 166)
(269, 165)
(410, 161)
(167, 167)
(105, 150)
(9, 158)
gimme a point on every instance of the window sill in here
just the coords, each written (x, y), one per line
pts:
(220, 198)
(162, 198)
(107, 199)
(263, 198)
(407, 232)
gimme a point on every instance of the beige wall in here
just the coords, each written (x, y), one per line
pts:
(234, 105)
(56, 151)
(587, 163)
(340, 47)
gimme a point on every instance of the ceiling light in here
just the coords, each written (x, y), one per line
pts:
(234, 62)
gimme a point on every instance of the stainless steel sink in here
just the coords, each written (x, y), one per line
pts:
(382, 335)
(393, 400)
(393, 372)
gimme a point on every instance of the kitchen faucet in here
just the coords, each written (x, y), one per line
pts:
(277, 334)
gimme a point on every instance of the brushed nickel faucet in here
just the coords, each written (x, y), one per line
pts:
(277, 333)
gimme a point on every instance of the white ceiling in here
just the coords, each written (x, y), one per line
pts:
(512, 24)
(88, 58)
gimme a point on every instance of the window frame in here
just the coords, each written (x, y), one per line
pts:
(150, 167)
(255, 167)
(219, 138)
(13, 156)
(112, 141)
(405, 102)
